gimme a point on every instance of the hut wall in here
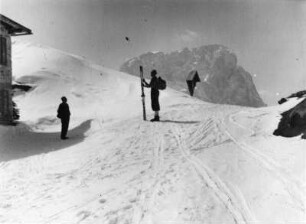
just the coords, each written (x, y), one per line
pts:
(6, 106)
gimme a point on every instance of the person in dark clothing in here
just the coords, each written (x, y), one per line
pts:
(154, 94)
(63, 113)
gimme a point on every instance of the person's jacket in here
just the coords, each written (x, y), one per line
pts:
(153, 84)
(63, 111)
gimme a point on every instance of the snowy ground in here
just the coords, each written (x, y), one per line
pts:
(204, 163)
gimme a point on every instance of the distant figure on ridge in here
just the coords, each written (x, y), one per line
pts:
(154, 94)
(63, 113)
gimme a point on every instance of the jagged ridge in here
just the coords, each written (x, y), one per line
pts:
(222, 79)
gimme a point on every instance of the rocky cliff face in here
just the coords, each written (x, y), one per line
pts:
(293, 121)
(222, 79)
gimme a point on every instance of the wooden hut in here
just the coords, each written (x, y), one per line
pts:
(192, 79)
(8, 28)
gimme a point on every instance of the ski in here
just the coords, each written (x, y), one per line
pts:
(142, 95)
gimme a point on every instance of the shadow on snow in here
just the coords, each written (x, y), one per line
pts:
(179, 122)
(21, 143)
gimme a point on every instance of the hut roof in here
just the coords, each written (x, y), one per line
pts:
(193, 75)
(14, 28)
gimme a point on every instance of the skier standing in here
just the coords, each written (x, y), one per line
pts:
(154, 94)
(63, 113)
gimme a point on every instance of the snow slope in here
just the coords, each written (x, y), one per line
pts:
(204, 163)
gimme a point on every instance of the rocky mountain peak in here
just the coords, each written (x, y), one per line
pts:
(223, 80)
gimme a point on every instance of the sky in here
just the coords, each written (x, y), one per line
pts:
(268, 36)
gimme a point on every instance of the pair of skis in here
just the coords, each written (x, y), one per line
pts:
(142, 94)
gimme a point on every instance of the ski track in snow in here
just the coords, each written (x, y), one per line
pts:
(240, 212)
(294, 189)
(142, 212)
(150, 146)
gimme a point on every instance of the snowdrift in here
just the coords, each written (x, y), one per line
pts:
(203, 163)
(92, 91)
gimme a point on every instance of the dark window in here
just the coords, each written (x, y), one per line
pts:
(3, 51)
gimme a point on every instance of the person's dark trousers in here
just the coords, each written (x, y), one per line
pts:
(65, 125)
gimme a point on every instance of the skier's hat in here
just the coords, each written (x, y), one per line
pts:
(153, 72)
